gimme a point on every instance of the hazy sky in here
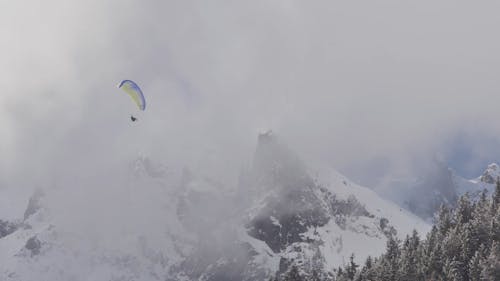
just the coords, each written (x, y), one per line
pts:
(366, 86)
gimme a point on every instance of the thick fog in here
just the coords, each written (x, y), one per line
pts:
(368, 88)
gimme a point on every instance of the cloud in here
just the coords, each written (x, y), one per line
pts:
(344, 82)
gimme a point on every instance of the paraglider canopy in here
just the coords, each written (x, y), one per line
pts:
(133, 90)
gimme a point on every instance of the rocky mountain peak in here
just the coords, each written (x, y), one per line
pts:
(274, 163)
(34, 203)
(491, 174)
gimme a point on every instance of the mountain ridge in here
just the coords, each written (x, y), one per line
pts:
(280, 214)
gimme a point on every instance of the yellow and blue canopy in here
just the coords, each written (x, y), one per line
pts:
(131, 88)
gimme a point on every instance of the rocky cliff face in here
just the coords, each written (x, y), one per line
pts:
(436, 187)
(292, 217)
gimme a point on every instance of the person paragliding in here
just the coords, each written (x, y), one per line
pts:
(133, 90)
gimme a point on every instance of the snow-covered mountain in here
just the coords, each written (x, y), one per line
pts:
(475, 186)
(437, 185)
(178, 225)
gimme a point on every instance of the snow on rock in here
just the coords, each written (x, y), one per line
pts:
(491, 174)
(403, 220)
(317, 217)
(167, 223)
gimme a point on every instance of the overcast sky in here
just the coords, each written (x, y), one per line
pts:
(366, 87)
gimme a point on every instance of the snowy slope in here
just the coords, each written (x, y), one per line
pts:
(361, 235)
(403, 220)
(57, 242)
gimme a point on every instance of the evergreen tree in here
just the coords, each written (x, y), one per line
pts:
(452, 244)
(491, 265)
(458, 270)
(483, 199)
(496, 196)
(444, 222)
(447, 271)
(351, 268)
(293, 274)
(318, 267)
(469, 241)
(415, 240)
(481, 222)
(435, 262)
(367, 272)
(388, 269)
(431, 252)
(341, 275)
(408, 264)
(474, 269)
(464, 209)
(340, 272)
(431, 240)
(495, 227)
(368, 263)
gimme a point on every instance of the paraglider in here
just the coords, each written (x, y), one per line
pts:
(133, 90)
